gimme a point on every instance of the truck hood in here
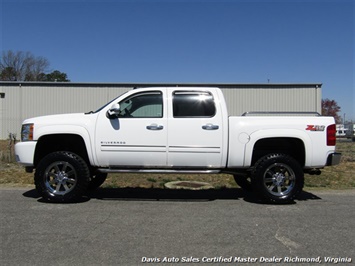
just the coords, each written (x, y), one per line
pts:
(62, 119)
(64, 123)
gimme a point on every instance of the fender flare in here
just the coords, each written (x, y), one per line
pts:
(278, 133)
(69, 130)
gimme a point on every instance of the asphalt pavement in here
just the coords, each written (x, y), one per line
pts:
(176, 227)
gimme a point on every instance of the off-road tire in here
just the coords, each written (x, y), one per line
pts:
(97, 180)
(244, 182)
(278, 178)
(62, 177)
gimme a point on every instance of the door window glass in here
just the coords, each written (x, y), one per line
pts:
(193, 104)
(142, 105)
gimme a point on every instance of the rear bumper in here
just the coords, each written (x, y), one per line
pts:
(333, 159)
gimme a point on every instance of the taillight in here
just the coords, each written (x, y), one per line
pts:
(331, 138)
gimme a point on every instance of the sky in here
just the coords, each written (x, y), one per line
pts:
(196, 41)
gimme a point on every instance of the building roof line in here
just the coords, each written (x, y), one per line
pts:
(163, 84)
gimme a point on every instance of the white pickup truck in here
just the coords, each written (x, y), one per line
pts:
(174, 130)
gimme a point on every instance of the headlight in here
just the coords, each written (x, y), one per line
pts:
(27, 132)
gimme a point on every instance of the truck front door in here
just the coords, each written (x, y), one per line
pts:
(137, 135)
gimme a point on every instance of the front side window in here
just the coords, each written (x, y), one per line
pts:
(193, 104)
(142, 105)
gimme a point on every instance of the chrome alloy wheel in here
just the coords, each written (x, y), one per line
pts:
(60, 178)
(279, 179)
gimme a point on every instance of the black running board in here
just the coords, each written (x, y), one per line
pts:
(160, 171)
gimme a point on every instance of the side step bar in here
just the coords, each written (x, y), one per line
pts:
(158, 171)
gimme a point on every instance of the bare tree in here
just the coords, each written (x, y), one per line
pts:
(22, 66)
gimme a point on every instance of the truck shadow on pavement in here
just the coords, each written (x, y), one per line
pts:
(157, 194)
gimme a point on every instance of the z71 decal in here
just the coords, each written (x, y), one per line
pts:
(315, 128)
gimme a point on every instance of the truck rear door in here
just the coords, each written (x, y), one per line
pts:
(195, 129)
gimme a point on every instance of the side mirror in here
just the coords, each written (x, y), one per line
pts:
(114, 110)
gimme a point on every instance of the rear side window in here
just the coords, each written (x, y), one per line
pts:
(193, 104)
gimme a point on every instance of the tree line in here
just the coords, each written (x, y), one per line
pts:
(25, 66)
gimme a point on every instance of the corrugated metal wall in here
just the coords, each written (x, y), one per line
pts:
(272, 99)
(25, 100)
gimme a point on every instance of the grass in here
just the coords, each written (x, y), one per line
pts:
(341, 176)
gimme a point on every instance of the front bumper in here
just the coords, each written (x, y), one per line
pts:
(333, 159)
(25, 152)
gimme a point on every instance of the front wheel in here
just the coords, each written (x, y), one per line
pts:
(244, 182)
(96, 180)
(62, 177)
(278, 178)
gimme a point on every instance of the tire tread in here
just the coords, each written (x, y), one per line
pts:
(82, 171)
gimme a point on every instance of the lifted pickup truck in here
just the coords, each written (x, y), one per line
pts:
(174, 130)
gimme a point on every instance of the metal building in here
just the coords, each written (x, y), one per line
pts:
(21, 100)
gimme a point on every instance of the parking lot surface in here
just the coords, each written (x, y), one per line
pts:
(156, 226)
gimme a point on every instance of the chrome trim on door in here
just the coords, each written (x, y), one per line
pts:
(155, 127)
(210, 127)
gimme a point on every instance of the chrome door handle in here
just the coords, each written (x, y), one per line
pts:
(210, 127)
(155, 127)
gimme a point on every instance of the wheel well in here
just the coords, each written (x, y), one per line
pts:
(291, 146)
(60, 142)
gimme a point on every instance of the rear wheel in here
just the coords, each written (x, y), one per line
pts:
(278, 178)
(62, 177)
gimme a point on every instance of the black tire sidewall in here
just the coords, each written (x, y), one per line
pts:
(80, 167)
(258, 182)
(244, 182)
(96, 180)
